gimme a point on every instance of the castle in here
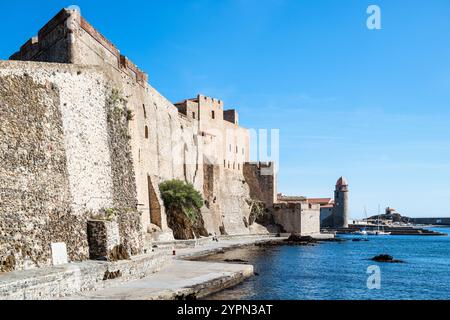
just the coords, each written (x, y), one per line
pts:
(83, 134)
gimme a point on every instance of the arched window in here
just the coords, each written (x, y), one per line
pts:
(146, 132)
(213, 114)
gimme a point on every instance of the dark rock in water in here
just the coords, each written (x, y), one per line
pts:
(301, 239)
(235, 261)
(386, 258)
(335, 239)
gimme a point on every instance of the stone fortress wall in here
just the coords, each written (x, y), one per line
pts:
(82, 131)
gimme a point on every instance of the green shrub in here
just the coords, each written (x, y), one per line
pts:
(180, 196)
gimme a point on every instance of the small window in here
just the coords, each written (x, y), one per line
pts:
(234, 166)
(213, 114)
(193, 115)
(224, 163)
(145, 111)
(228, 165)
(237, 150)
(146, 132)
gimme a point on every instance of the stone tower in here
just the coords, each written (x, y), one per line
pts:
(340, 211)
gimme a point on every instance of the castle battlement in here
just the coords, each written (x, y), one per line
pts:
(67, 37)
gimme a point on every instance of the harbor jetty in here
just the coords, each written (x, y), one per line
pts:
(393, 230)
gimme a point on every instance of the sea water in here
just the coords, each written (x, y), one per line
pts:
(339, 270)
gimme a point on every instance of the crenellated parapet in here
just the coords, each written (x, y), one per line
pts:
(69, 38)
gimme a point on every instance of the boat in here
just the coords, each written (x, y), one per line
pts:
(361, 232)
(379, 232)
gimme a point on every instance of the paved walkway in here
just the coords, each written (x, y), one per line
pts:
(182, 278)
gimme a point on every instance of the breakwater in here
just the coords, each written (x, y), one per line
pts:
(395, 231)
(431, 221)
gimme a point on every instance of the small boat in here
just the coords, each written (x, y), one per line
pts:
(382, 233)
(361, 232)
(378, 232)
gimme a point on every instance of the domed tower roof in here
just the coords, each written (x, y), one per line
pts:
(341, 182)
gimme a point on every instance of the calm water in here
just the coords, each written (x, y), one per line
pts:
(335, 271)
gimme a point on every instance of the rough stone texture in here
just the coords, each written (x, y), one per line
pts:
(61, 162)
(103, 237)
(183, 228)
(35, 208)
(123, 177)
(234, 192)
(67, 280)
(299, 218)
(261, 178)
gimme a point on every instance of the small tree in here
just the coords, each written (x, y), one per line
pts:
(180, 196)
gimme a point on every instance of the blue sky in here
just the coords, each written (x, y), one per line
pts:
(370, 105)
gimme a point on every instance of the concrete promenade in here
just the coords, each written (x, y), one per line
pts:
(156, 275)
(181, 278)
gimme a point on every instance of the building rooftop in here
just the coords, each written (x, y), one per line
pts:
(321, 201)
(341, 182)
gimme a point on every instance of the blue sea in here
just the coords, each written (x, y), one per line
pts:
(339, 271)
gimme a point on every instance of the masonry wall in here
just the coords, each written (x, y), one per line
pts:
(326, 217)
(261, 178)
(298, 218)
(63, 161)
(52, 44)
(163, 143)
(36, 207)
(167, 145)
